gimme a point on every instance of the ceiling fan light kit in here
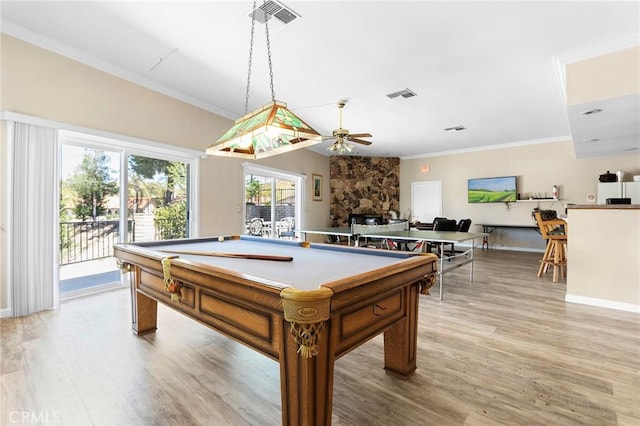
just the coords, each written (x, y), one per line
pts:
(270, 130)
(341, 147)
(343, 138)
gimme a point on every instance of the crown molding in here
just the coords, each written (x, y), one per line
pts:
(490, 147)
(560, 61)
(632, 40)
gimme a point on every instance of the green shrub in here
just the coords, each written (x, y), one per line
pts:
(171, 221)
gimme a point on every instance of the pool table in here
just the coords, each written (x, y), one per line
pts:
(305, 305)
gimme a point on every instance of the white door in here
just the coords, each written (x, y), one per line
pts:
(426, 201)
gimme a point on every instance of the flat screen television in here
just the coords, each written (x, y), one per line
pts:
(492, 190)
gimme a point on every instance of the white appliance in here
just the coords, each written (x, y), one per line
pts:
(619, 190)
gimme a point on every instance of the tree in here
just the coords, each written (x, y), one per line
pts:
(252, 189)
(64, 239)
(92, 184)
(139, 189)
(174, 171)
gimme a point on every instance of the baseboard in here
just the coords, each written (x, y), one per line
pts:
(5, 313)
(602, 303)
(90, 291)
(507, 248)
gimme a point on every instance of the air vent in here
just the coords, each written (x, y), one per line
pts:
(273, 8)
(455, 129)
(285, 15)
(406, 93)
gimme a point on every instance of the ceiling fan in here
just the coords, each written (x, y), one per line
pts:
(344, 138)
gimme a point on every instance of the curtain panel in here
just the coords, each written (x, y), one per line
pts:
(32, 240)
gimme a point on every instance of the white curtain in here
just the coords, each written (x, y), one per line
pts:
(33, 258)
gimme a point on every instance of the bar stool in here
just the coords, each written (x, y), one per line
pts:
(555, 231)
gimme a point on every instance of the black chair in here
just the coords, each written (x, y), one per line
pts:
(438, 219)
(464, 225)
(443, 224)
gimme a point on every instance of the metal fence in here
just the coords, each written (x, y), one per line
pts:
(84, 241)
(283, 196)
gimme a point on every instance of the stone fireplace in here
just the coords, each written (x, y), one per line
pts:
(363, 185)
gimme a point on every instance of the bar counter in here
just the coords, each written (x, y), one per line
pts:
(603, 252)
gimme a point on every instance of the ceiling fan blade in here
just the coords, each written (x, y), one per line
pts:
(359, 141)
(325, 138)
(361, 135)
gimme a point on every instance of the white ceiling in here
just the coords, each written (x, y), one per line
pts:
(488, 66)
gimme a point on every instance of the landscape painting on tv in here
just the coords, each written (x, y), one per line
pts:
(492, 190)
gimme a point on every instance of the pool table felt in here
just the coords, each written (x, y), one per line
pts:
(310, 268)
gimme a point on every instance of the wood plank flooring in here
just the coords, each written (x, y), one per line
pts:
(503, 350)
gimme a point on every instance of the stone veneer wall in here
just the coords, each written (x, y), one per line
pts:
(363, 185)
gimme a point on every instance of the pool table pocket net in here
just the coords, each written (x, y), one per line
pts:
(307, 312)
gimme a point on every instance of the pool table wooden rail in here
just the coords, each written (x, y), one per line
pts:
(250, 310)
(221, 299)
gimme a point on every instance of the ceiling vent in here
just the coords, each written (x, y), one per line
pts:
(274, 9)
(406, 93)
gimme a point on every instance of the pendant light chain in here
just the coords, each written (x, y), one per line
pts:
(253, 24)
(266, 31)
(262, 133)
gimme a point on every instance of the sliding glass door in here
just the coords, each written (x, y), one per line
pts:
(89, 219)
(109, 194)
(272, 203)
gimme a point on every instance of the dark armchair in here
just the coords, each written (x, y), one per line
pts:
(464, 225)
(443, 224)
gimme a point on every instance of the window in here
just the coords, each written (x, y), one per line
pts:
(272, 202)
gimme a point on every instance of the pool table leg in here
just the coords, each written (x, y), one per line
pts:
(400, 340)
(144, 310)
(306, 383)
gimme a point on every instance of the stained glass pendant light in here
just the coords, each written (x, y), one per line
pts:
(270, 130)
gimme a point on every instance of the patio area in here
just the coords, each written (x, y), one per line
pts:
(84, 278)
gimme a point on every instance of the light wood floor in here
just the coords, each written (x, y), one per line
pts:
(505, 350)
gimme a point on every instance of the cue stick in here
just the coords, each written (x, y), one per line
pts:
(236, 255)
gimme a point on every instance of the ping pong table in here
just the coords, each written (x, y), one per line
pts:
(344, 231)
(453, 261)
